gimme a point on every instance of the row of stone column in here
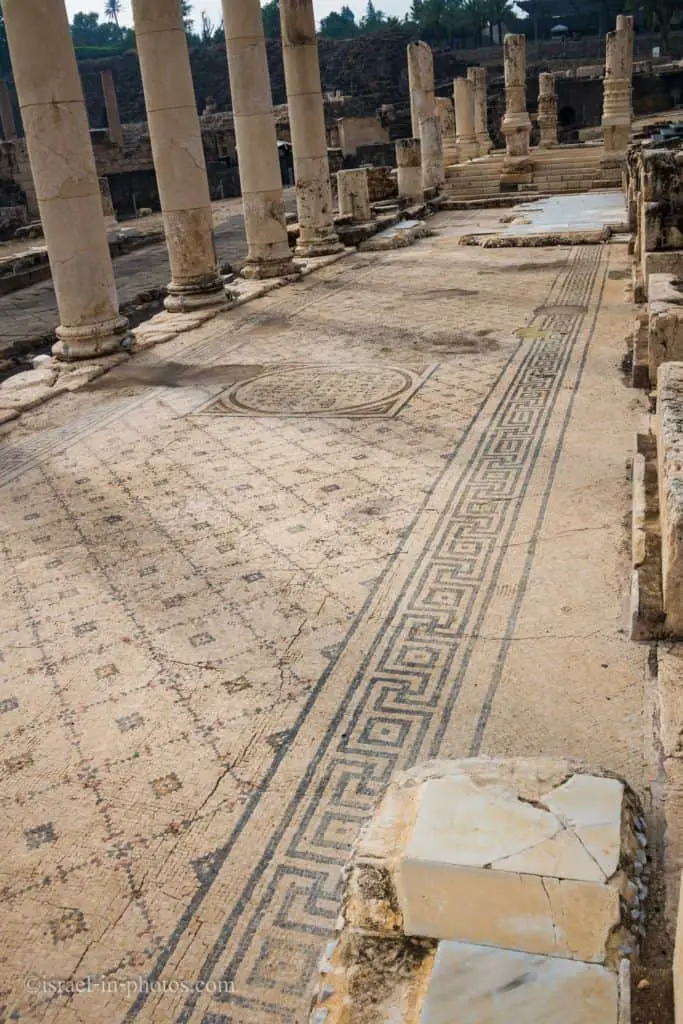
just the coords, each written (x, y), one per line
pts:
(67, 187)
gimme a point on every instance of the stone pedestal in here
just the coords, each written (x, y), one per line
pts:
(421, 83)
(409, 164)
(516, 123)
(259, 163)
(65, 177)
(464, 119)
(112, 107)
(317, 236)
(477, 76)
(433, 171)
(9, 128)
(616, 110)
(354, 195)
(547, 110)
(178, 155)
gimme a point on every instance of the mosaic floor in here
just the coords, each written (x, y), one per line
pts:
(254, 570)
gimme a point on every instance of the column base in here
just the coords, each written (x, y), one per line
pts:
(468, 149)
(517, 138)
(90, 341)
(322, 247)
(484, 144)
(187, 298)
(262, 269)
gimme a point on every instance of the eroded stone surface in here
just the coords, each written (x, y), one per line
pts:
(475, 985)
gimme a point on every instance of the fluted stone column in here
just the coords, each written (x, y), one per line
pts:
(420, 83)
(259, 163)
(477, 77)
(547, 110)
(431, 145)
(65, 178)
(516, 123)
(409, 169)
(464, 119)
(354, 195)
(616, 110)
(317, 236)
(9, 127)
(178, 155)
(111, 105)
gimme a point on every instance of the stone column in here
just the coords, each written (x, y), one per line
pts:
(616, 109)
(178, 155)
(354, 195)
(112, 107)
(421, 83)
(516, 123)
(446, 112)
(431, 145)
(477, 77)
(66, 182)
(547, 110)
(259, 164)
(464, 119)
(9, 127)
(317, 236)
(409, 165)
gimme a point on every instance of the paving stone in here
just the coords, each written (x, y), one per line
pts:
(472, 984)
(44, 377)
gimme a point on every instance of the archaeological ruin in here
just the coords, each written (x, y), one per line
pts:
(341, 416)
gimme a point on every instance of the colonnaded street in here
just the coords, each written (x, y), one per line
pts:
(372, 517)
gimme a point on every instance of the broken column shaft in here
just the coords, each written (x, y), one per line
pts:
(547, 110)
(354, 195)
(317, 236)
(420, 83)
(516, 123)
(409, 169)
(111, 106)
(616, 109)
(259, 163)
(178, 155)
(65, 177)
(464, 119)
(477, 76)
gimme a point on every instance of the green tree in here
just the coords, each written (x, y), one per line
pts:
(497, 11)
(372, 19)
(112, 10)
(271, 19)
(186, 8)
(659, 15)
(339, 24)
(476, 17)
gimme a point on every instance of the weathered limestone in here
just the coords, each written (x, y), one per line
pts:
(516, 125)
(664, 322)
(433, 170)
(252, 105)
(178, 155)
(317, 236)
(420, 83)
(678, 955)
(354, 196)
(547, 110)
(112, 106)
(9, 127)
(65, 177)
(669, 431)
(445, 110)
(654, 192)
(466, 138)
(492, 890)
(477, 76)
(409, 169)
(616, 111)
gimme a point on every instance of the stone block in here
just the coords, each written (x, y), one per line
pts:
(464, 853)
(476, 985)
(665, 321)
(666, 262)
(669, 430)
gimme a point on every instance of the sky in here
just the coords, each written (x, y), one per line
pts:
(213, 8)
